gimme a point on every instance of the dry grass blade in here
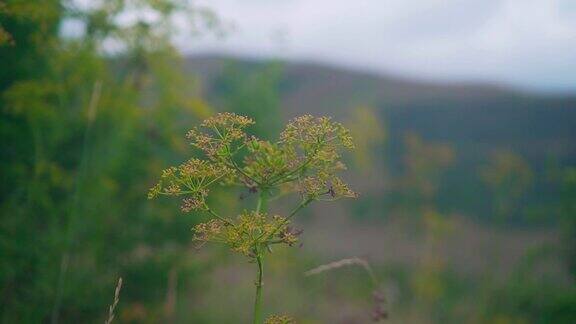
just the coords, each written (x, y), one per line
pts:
(378, 312)
(343, 263)
(112, 307)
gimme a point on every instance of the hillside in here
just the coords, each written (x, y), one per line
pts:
(475, 119)
(478, 114)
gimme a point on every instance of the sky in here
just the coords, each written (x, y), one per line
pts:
(528, 44)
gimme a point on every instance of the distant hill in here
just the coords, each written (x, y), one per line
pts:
(465, 114)
(475, 118)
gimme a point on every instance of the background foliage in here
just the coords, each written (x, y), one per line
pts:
(88, 120)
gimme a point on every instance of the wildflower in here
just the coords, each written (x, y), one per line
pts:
(228, 121)
(219, 134)
(195, 202)
(208, 231)
(325, 188)
(313, 187)
(290, 235)
(307, 131)
(306, 159)
(341, 189)
(192, 178)
(279, 319)
(249, 231)
(268, 162)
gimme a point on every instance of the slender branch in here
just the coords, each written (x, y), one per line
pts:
(299, 168)
(230, 155)
(299, 207)
(237, 168)
(294, 212)
(216, 179)
(282, 178)
(218, 132)
(218, 216)
(180, 193)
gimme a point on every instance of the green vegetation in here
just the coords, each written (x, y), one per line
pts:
(461, 214)
(82, 133)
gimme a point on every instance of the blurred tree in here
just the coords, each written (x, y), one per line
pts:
(24, 57)
(252, 92)
(424, 164)
(370, 137)
(427, 281)
(568, 218)
(84, 121)
(508, 176)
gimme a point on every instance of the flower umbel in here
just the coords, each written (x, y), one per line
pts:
(249, 232)
(191, 179)
(306, 159)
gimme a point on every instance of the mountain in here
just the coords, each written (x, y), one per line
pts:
(480, 115)
(475, 119)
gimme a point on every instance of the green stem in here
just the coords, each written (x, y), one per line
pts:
(259, 204)
(218, 216)
(260, 207)
(294, 212)
(262, 202)
(258, 300)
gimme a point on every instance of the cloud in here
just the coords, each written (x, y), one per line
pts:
(526, 43)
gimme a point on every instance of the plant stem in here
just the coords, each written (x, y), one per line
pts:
(259, 204)
(217, 216)
(260, 208)
(294, 212)
(258, 300)
(262, 203)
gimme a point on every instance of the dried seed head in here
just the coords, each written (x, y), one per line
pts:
(279, 319)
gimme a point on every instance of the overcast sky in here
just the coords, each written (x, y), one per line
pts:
(525, 43)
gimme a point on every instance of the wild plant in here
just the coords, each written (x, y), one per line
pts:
(112, 307)
(305, 160)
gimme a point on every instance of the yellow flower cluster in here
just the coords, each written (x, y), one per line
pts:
(306, 159)
(308, 153)
(325, 187)
(269, 162)
(192, 178)
(228, 121)
(250, 230)
(279, 319)
(308, 131)
(221, 134)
